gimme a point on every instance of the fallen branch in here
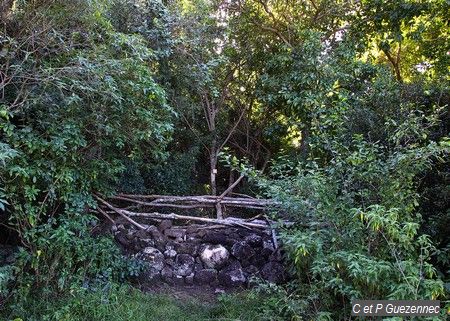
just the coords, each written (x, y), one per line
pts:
(120, 212)
(105, 215)
(191, 202)
(172, 216)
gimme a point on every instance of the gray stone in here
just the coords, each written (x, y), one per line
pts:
(170, 262)
(122, 239)
(232, 264)
(205, 276)
(191, 229)
(151, 275)
(170, 253)
(189, 280)
(164, 225)
(175, 233)
(178, 280)
(242, 251)
(141, 234)
(167, 275)
(219, 291)
(268, 245)
(258, 259)
(273, 272)
(232, 278)
(154, 257)
(251, 270)
(214, 237)
(214, 256)
(186, 248)
(276, 256)
(159, 239)
(265, 253)
(254, 240)
(147, 242)
(184, 265)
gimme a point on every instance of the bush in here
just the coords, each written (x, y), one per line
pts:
(80, 103)
(357, 233)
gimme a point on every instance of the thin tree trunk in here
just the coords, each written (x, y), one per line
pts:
(213, 173)
(213, 166)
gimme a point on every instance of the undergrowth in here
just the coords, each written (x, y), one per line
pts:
(113, 302)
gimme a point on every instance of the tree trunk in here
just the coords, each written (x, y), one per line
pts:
(213, 155)
(213, 166)
(304, 142)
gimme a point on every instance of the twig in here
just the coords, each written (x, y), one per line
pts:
(120, 212)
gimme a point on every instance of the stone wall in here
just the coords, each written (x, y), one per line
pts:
(201, 255)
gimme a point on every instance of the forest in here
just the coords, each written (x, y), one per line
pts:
(331, 115)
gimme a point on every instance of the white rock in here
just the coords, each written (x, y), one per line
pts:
(214, 256)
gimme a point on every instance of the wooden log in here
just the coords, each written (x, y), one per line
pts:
(120, 212)
(191, 202)
(172, 216)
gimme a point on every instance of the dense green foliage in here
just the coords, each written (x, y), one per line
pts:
(338, 109)
(79, 101)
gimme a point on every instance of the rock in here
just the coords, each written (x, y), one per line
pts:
(244, 233)
(189, 280)
(205, 276)
(193, 239)
(146, 242)
(170, 253)
(232, 278)
(273, 272)
(159, 239)
(276, 256)
(141, 234)
(251, 270)
(258, 260)
(216, 238)
(169, 262)
(234, 236)
(219, 291)
(201, 233)
(191, 229)
(178, 280)
(268, 245)
(184, 265)
(254, 240)
(167, 275)
(151, 275)
(214, 256)
(178, 234)
(232, 264)
(130, 236)
(198, 266)
(186, 248)
(266, 253)
(242, 251)
(245, 263)
(121, 238)
(154, 257)
(164, 225)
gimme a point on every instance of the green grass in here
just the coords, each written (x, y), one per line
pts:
(123, 303)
